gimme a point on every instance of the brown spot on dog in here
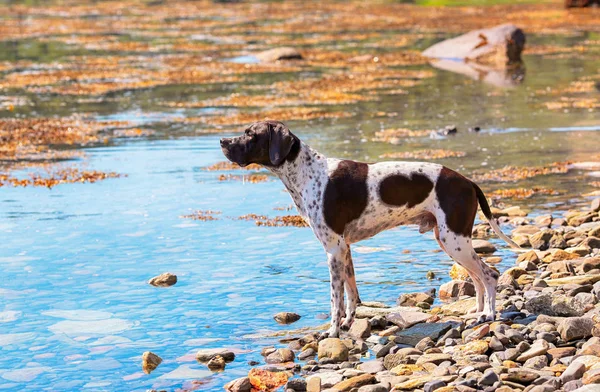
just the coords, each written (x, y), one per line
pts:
(400, 190)
(346, 195)
(458, 200)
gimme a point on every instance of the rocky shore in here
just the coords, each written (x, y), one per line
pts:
(546, 336)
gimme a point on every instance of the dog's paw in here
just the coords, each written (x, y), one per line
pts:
(346, 324)
(332, 332)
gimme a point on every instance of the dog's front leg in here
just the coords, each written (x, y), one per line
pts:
(351, 290)
(335, 260)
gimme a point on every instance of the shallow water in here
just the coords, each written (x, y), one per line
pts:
(75, 309)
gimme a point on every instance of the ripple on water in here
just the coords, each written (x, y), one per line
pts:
(25, 374)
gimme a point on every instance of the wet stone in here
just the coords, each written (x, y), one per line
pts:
(150, 361)
(163, 280)
(216, 363)
(286, 317)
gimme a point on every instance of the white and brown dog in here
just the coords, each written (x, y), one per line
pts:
(345, 201)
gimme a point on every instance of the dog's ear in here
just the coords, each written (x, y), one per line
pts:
(281, 141)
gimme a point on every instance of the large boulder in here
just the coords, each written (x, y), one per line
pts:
(499, 46)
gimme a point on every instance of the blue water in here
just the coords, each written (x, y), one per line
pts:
(76, 312)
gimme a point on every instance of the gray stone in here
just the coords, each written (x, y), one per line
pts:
(381, 351)
(414, 334)
(489, 378)
(296, 384)
(164, 280)
(573, 372)
(433, 385)
(407, 319)
(538, 362)
(372, 367)
(540, 347)
(573, 328)
(374, 388)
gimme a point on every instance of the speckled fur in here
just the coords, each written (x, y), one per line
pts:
(306, 178)
(449, 201)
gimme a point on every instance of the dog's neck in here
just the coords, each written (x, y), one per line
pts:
(299, 173)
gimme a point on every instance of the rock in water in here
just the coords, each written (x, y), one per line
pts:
(150, 361)
(164, 280)
(216, 363)
(286, 317)
(277, 54)
(498, 46)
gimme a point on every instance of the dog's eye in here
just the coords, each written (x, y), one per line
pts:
(249, 132)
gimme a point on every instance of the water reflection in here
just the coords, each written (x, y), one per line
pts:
(506, 78)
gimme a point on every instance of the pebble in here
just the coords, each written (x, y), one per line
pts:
(150, 361)
(286, 317)
(163, 280)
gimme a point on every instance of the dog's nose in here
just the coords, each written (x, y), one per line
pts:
(225, 142)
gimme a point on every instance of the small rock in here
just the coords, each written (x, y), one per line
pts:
(592, 376)
(489, 378)
(206, 355)
(216, 363)
(372, 367)
(573, 372)
(573, 328)
(334, 349)
(296, 385)
(483, 246)
(150, 361)
(540, 347)
(313, 384)
(360, 329)
(286, 317)
(381, 351)
(414, 334)
(262, 379)
(407, 319)
(281, 355)
(239, 385)
(538, 362)
(413, 298)
(540, 239)
(374, 388)
(456, 288)
(530, 256)
(354, 382)
(430, 275)
(433, 386)
(163, 280)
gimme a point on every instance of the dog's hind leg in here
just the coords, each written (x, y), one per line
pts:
(479, 286)
(351, 290)
(460, 249)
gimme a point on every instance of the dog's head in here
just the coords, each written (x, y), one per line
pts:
(266, 143)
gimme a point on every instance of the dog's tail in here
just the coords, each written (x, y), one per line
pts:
(485, 208)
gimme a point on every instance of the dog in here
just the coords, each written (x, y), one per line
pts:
(345, 201)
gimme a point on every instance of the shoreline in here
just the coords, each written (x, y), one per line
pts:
(546, 336)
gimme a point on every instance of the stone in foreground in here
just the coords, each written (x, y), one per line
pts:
(150, 361)
(416, 333)
(333, 349)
